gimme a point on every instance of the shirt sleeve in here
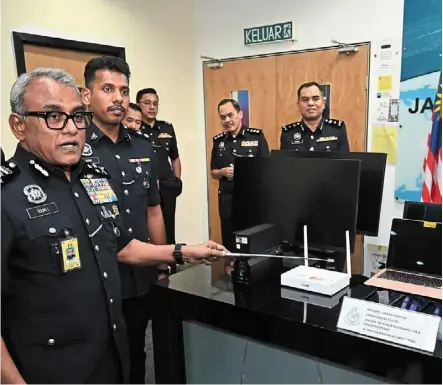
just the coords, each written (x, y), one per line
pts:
(173, 150)
(263, 148)
(344, 144)
(153, 194)
(7, 242)
(214, 165)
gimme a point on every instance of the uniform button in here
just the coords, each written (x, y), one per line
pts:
(126, 192)
(235, 141)
(111, 300)
(76, 195)
(130, 230)
(117, 156)
(312, 136)
(96, 248)
(52, 230)
(128, 211)
(234, 150)
(51, 342)
(327, 147)
(114, 327)
(311, 149)
(87, 221)
(12, 164)
(123, 173)
(105, 275)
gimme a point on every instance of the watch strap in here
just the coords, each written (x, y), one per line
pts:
(177, 254)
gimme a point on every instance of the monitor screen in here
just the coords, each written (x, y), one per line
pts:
(319, 193)
(422, 211)
(372, 178)
(415, 246)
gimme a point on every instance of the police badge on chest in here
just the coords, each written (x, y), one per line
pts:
(297, 138)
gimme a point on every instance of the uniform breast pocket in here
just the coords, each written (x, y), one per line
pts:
(248, 151)
(45, 234)
(165, 143)
(142, 176)
(330, 145)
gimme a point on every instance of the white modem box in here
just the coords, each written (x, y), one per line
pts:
(317, 280)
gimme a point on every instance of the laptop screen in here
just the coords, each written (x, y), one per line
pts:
(415, 246)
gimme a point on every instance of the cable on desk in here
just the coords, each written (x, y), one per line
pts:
(245, 352)
(320, 374)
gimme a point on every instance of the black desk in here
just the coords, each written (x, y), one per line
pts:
(266, 316)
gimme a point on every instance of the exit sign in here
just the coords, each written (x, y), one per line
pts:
(269, 33)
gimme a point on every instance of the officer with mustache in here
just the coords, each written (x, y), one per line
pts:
(235, 141)
(313, 132)
(129, 157)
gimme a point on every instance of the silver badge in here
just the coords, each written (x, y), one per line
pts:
(146, 183)
(106, 213)
(94, 136)
(221, 145)
(87, 150)
(35, 194)
(139, 169)
(297, 136)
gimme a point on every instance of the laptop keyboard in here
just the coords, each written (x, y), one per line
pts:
(419, 280)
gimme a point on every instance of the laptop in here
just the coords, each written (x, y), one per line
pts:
(414, 261)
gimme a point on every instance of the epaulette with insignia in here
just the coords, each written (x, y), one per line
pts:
(218, 136)
(164, 122)
(97, 170)
(254, 130)
(333, 122)
(290, 126)
(9, 170)
(138, 134)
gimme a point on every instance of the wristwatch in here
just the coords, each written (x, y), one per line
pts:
(177, 254)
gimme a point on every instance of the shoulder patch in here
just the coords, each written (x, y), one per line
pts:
(8, 171)
(218, 136)
(290, 126)
(254, 130)
(164, 122)
(96, 170)
(336, 123)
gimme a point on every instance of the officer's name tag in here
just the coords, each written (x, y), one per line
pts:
(164, 136)
(327, 139)
(70, 255)
(139, 160)
(250, 143)
(41, 211)
(92, 159)
(99, 190)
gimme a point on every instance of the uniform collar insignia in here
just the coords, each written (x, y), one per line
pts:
(40, 168)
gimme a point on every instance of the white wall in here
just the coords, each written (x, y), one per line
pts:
(219, 34)
(159, 39)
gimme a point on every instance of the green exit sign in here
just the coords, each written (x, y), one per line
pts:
(269, 33)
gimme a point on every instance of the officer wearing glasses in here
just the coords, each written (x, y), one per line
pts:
(313, 132)
(60, 241)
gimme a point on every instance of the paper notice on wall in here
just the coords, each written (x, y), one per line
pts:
(384, 83)
(385, 55)
(384, 140)
(393, 111)
(375, 259)
(382, 110)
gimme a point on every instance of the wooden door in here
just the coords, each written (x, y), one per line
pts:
(272, 83)
(73, 62)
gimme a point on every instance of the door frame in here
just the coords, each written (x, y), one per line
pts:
(205, 62)
(21, 39)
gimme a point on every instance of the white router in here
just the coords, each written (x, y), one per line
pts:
(317, 280)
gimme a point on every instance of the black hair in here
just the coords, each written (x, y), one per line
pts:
(135, 107)
(307, 85)
(110, 63)
(145, 91)
(226, 101)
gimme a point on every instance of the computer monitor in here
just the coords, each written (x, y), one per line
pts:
(415, 246)
(319, 193)
(372, 178)
(422, 211)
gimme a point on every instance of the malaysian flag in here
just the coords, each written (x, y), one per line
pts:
(432, 180)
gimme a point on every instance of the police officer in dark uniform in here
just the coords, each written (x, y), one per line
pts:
(313, 132)
(129, 158)
(61, 297)
(164, 140)
(235, 141)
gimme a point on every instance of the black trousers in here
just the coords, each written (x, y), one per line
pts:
(137, 312)
(227, 233)
(168, 200)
